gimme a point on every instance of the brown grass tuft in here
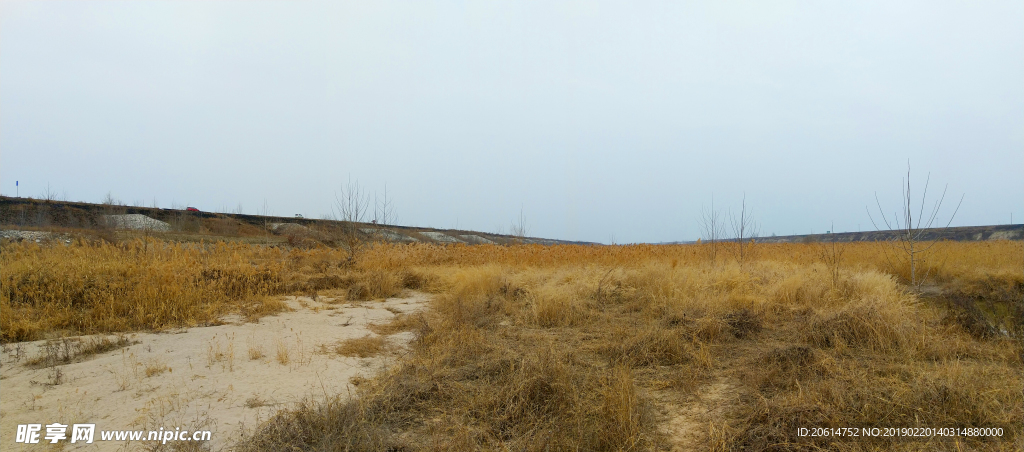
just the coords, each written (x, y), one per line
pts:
(68, 350)
(744, 323)
(786, 368)
(401, 322)
(363, 347)
(649, 347)
(873, 326)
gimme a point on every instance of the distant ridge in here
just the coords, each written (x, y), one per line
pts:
(38, 213)
(959, 234)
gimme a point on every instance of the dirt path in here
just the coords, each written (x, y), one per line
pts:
(226, 379)
(697, 421)
(684, 422)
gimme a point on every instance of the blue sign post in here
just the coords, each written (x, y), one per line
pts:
(17, 191)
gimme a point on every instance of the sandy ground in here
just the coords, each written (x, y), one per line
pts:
(209, 378)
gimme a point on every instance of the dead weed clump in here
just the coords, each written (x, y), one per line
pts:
(879, 316)
(375, 284)
(72, 349)
(337, 424)
(362, 347)
(364, 284)
(656, 346)
(744, 323)
(786, 367)
(555, 309)
(400, 323)
(874, 326)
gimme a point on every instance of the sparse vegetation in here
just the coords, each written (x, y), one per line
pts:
(362, 347)
(283, 355)
(155, 367)
(587, 348)
(255, 350)
(526, 330)
(401, 322)
(67, 350)
(255, 402)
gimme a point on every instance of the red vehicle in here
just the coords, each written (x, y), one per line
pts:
(191, 209)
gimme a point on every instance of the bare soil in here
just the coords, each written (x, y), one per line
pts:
(227, 378)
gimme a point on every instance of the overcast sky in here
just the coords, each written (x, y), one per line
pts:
(601, 121)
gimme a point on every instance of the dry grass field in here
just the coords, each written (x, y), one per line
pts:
(590, 347)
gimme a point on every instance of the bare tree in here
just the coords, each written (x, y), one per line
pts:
(905, 247)
(351, 206)
(519, 229)
(744, 230)
(712, 229)
(264, 212)
(384, 209)
(112, 205)
(831, 253)
(49, 194)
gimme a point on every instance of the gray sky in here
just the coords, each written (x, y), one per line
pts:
(602, 121)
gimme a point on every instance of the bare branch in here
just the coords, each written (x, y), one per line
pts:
(518, 228)
(905, 247)
(743, 228)
(350, 208)
(712, 228)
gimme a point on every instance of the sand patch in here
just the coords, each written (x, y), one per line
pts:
(136, 221)
(390, 236)
(476, 240)
(686, 425)
(226, 379)
(441, 237)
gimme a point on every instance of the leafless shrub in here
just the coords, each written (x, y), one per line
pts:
(49, 194)
(831, 253)
(906, 247)
(110, 200)
(712, 229)
(744, 230)
(384, 209)
(350, 208)
(519, 229)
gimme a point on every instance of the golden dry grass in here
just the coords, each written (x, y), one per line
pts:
(102, 287)
(592, 348)
(362, 347)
